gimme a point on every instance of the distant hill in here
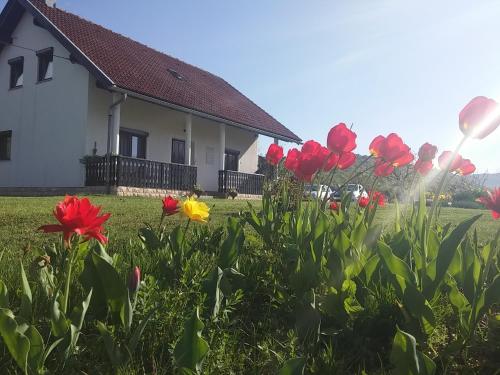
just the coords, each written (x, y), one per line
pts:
(490, 179)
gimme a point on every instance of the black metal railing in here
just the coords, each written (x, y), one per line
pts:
(243, 183)
(132, 172)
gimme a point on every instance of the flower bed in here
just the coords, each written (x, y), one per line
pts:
(319, 287)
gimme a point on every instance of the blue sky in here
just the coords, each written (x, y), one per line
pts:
(401, 66)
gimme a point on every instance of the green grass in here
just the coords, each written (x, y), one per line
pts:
(21, 216)
(266, 343)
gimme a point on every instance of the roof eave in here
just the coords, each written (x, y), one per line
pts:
(198, 113)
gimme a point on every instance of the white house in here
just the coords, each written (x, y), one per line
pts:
(81, 106)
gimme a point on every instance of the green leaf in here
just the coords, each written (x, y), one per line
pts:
(37, 349)
(294, 366)
(211, 286)
(136, 336)
(17, 343)
(51, 348)
(490, 296)
(58, 321)
(149, 238)
(419, 307)
(115, 354)
(232, 245)
(406, 359)
(191, 348)
(77, 319)
(107, 280)
(26, 298)
(447, 251)
(395, 265)
(341, 242)
(358, 234)
(4, 296)
(308, 318)
(370, 267)
(457, 299)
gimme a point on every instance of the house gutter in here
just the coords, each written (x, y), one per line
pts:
(177, 107)
(108, 148)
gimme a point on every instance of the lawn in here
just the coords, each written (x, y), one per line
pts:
(257, 315)
(20, 218)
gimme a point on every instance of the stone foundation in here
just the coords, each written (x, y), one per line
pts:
(50, 191)
(121, 191)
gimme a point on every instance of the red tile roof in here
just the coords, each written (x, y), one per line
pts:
(133, 66)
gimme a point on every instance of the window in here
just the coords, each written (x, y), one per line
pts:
(16, 72)
(231, 158)
(5, 141)
(45, 64)
(133, 143)
(178, 151)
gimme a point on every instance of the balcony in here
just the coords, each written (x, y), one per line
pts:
(141, 173)
(243, 183)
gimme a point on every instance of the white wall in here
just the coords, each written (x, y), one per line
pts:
(48, 119)
(55, 123)
(163, 124)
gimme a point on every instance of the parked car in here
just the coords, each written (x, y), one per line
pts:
(355, 190)
(312, 191)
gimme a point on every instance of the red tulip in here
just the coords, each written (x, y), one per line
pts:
(78, 217)
(383, 169)
(423, 167)
(330, 160)
(170, 206)
(334, 206)
(427, 152)
(378, 198)
(346, 160)
(134, 280)
(292, 159)
(309, 164)
(341, 140)
(363, 201)
(492, 202)
(480, 117)
(466, 168)
(445, 161)
(390, 152)
(312, 147)
(274, 154)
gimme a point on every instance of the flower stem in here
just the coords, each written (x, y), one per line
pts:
(442, 183)
(68, 282)
(184, 235)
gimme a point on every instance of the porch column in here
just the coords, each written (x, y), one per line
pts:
(222, 143)
(276, 141)
(115, 127)
(189, 125)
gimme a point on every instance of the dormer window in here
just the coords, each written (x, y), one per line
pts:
(16, 72)
(45, 64)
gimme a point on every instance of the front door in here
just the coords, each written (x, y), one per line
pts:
(178, 151)
(231, 160)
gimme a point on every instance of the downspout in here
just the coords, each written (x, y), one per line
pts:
(108, 149)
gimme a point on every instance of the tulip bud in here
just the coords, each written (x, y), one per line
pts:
(134, 280)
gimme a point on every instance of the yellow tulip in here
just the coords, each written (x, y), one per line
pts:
(194, 210)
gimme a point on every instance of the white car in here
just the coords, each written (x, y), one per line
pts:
(312, 191)
(357, 191)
